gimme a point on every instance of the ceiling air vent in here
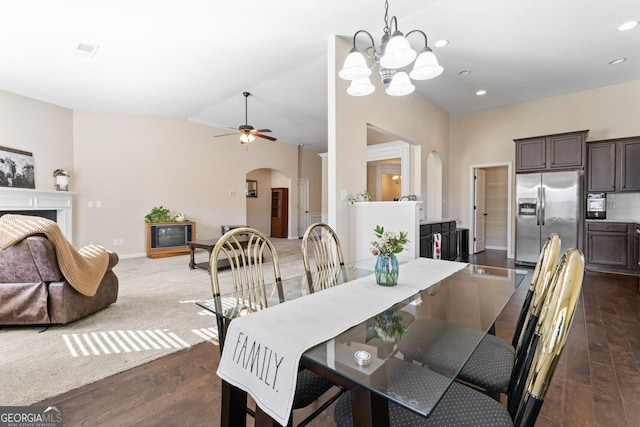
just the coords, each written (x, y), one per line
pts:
(87, 50)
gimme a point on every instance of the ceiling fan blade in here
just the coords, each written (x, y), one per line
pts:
(260, 131)
(225, 134)
(270, 138)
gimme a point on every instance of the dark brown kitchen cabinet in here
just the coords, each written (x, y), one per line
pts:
(448, 242)
(551, 152)
(601, 166)
(610, 247)
(630, 165)
(637, 245)
(612, 165)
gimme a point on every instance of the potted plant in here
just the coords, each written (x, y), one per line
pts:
(363, 196)
(158, 214)
(62, 179)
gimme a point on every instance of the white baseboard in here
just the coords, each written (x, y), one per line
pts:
(127, 256)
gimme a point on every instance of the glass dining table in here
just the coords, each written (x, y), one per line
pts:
(408, 354)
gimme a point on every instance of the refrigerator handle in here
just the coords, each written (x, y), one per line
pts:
(538, 207)
(542, 204)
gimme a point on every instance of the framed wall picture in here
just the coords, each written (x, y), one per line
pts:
(252, 188)
(16, 168)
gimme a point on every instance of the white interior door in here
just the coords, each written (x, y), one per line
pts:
(303, 206)
(479, 211)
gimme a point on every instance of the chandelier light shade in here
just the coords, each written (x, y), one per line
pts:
(400, 85)
(426, 66)
(355, 66)
(398, 52)
(394, 57)
(361, 87)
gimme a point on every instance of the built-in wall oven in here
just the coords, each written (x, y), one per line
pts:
(596, 206)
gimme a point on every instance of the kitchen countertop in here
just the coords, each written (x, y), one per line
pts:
(622, 220)
(435, 221)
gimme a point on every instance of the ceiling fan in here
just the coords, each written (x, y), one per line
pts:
(247, 133)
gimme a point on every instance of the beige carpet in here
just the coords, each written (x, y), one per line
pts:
(155, 315)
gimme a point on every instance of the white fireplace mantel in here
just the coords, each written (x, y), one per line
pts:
(24, 199)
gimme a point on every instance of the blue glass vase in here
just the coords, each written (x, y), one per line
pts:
(387, 270)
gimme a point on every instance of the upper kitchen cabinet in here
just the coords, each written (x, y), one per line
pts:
(551, 152)
(630, 165)
(601, 166)
(610, 165)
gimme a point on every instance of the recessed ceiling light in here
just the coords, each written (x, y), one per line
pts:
(617, 61)
(464, 73)
(441, 43)
(87, 50)
(481, 92)
(628, 25)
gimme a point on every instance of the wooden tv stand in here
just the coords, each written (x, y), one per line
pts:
(169, 251)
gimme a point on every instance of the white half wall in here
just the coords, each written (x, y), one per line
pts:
(393, 216)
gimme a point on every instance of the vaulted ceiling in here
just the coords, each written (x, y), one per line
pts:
(194, 58)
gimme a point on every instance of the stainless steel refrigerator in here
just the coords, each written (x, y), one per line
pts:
(547, 202)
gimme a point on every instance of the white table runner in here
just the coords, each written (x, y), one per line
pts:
(262, 351)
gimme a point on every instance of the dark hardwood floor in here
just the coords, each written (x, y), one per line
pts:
(597, 382)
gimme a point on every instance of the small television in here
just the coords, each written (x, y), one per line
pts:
(169, 238)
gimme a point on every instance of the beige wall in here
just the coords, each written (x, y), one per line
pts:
(310, 169)
(487, 137)
(258, 215)
(413, 118)
(132, 163)
(42, 129)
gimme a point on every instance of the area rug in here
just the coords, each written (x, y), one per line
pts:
(155, 315)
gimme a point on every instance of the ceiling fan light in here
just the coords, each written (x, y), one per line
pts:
(247, 138)
(426, 66)
(355, 66)
(398, 52)
(400, 85)
(361, 87)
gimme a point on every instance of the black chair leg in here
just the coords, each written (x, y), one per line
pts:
(320, 409)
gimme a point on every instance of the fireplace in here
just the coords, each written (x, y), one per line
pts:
(53, 205)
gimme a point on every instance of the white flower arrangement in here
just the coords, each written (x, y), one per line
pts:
(388, 243)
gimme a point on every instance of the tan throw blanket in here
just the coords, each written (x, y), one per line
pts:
(83, 269)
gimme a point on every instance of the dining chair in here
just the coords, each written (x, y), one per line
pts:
(465, 406)
(496, 364)
(322, 257)
(253, 263)
(243, 252)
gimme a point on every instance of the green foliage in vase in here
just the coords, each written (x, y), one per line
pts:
(61, 172)
(388, 243)
(363, 196)
(388, 327)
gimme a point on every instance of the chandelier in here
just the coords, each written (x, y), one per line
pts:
(394, 58)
